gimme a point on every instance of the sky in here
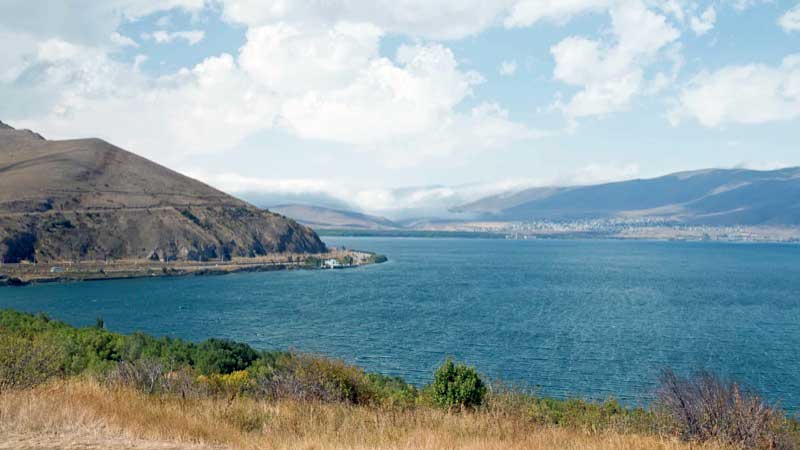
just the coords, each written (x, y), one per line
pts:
(390, 106)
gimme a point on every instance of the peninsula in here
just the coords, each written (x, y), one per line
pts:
(86, 209)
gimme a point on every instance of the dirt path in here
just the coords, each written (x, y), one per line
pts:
(85, 441)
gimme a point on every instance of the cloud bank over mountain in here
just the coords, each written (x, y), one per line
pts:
(410, 92)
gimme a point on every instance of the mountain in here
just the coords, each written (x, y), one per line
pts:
(328, 218)
(86, 199)
(496, 204)
(710, 197)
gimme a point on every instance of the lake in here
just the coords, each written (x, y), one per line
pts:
(591, 318)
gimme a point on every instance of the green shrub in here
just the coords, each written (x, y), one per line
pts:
(377, 259)
(194, 219)
(315, 378)
(104, 345)
(25, 363)
(171, 352)
(457, 386)
(221, 356)
(591, 416)
(313, 261)
(392, 392)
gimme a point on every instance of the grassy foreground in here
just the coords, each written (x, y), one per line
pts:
(86, 414)
(67, 387)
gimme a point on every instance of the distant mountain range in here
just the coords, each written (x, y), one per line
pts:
(711, 197)
(321, 217)
(86, 199)
(717, 197)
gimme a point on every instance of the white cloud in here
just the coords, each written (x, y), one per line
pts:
(433, 19)
(508, 68)
(122, 41)
(611, 75)
(84, 93)
(321, 84)
(292, 60)
(486, 127)
(763, 165)
(235, 183)
(790, 21)
(527, 12)
(741, 5)
(138, 60)
(393, 202)
(604, 173)
(313, 69)
(384, 100)
(191, 37)
(415, 201)
(85, 22)
(164, 21)
(16, 56)
(673, 7)
(703, 23)
(336, 87)
(747, 94)
(443, 19)
(88, 23)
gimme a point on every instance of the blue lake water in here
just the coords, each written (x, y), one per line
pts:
(583, 317)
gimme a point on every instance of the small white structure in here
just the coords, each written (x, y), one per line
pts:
(331, 263)
(56, 269)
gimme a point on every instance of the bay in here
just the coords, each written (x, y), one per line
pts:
(590, 318)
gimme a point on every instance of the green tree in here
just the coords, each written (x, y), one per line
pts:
(457, 385)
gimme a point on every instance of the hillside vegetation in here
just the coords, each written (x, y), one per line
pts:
(66, 387)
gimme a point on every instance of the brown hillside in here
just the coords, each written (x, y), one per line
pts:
(86, 199)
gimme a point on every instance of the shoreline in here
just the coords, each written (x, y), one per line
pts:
(567, 236)
(15, 275)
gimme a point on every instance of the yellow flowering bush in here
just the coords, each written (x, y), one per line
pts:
(231, 384)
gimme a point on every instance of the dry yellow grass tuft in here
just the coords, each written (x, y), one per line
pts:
(83, 414)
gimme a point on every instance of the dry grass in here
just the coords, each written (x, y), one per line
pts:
(84, 414)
